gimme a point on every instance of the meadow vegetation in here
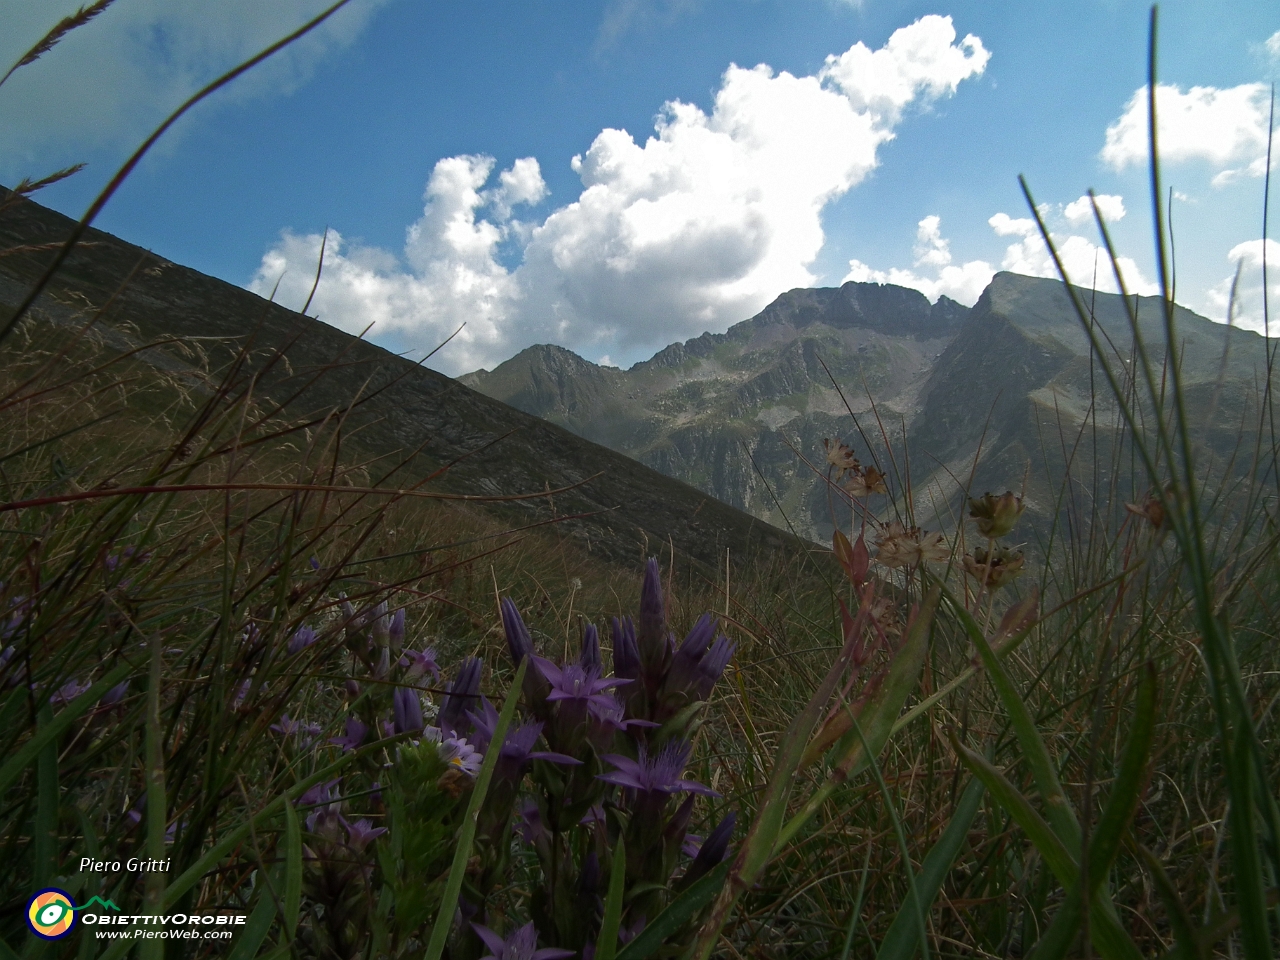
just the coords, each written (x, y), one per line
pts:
(233, 637)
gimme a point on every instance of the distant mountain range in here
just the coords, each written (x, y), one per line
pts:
(989, 398)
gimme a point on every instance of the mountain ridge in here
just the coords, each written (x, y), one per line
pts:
(732, 413)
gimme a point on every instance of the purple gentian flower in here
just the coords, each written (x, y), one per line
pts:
(407, 708)
(420, 664)
(315, 563)
(580, 686)
(68, 692)
(529, 821)
(712, 664)
(356, 732)
(657, 774)
(242, 691)
(115, 694)
(285, 727)
(683, 675)
(360, 833)
(521, 945)
(461, 696)
(517, 746)
(302, 638)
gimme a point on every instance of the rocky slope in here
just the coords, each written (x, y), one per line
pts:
(994, 397)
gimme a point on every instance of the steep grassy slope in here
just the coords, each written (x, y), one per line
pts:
(620, 509)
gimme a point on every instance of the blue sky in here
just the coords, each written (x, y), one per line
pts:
(727, 150)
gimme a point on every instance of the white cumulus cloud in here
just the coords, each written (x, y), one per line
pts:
(1245, 309)
(453, 276)
(694, 229)
(1086, 263)
(1225, 127)
(963, 283)
(1080, 211)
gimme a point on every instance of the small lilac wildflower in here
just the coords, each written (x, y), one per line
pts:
(421, 663)
(380, 623)
(355, 734)
(521, 945)
(242, 691)
(323, 799)
(315, 563)
(407, 709)
(361, 833)
(302, 638)
(456, 752)
(656, 774)
(115, 694)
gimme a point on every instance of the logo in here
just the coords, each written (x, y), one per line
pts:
(51, 914)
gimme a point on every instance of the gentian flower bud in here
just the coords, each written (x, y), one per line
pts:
(520, 644)
(407, 709)
(651, 638)
(462, 696)
(380, 623)
(714, 849)
(590, 658)
(396, 630)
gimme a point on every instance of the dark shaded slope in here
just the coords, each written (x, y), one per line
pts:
(503, 451)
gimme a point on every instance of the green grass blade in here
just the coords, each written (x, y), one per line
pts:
(900, 942)
(1255, 935)
(880, 716)
(61, 721)
(1104, 844)
(462, 853)
(255, 929)
(1043, 771)
(1186, 942)
(915, 903)
(293, 871)
(607, 942)
(1052, 849)
(856, 912)
(679, 911)
(45, 841)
